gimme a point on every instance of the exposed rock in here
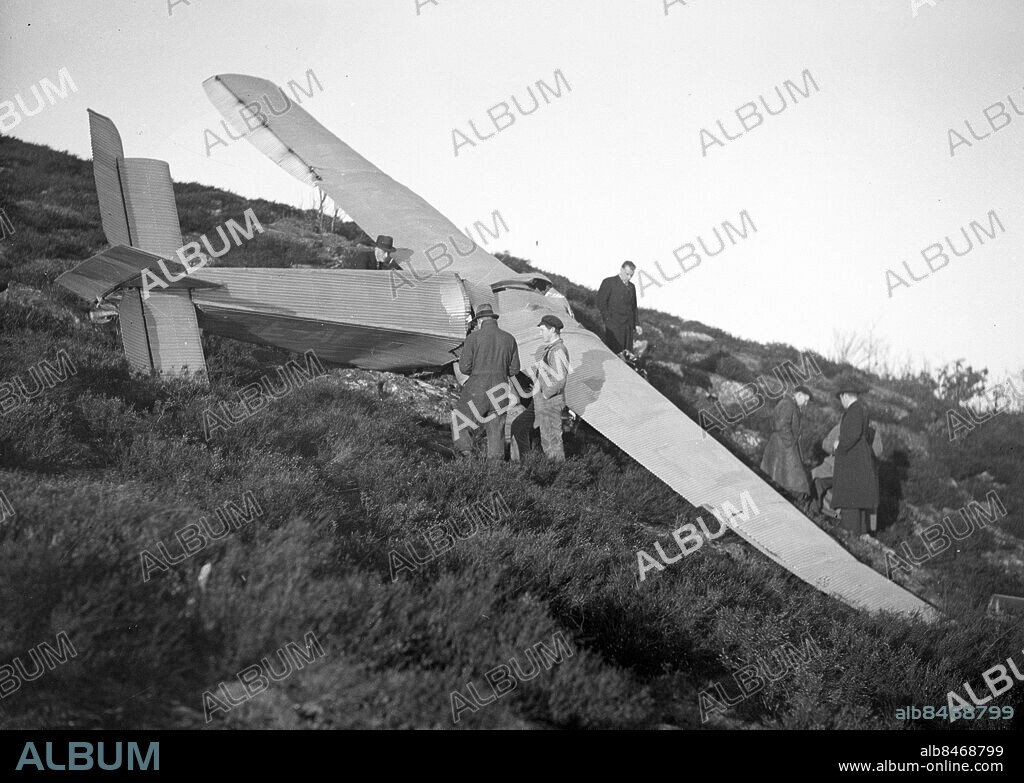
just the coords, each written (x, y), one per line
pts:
(886, 410)
(431, 400)
(1010, 562)
(751, 442)
(727, 391)
(673, 366)
(882, 393)
(698, 357)
(694, 337)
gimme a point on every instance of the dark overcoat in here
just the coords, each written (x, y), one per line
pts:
(490, 357)
(617, 302)
(856, 475)
(782, 457)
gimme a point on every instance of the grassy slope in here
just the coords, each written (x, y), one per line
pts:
(105, 465)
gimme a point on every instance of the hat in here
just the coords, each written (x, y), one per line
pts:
(384, 242)
(552, 321)
(804, 390)
(850, 384)
(485, 311)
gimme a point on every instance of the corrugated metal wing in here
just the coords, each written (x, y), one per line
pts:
(106, 151)
(152, 213)
(638, 419)
(380, 205)
(366, 319)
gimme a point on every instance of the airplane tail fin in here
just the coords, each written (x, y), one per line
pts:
(159, 329)
(136, 194)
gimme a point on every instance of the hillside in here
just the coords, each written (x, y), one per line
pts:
(349, 468)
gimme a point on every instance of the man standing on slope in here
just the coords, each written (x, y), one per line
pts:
(489, 357)
(549, 373)
(855, 484)
(782, 459)
(616, 299)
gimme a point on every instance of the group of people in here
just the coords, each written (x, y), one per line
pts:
(850, 470)
(498, 384)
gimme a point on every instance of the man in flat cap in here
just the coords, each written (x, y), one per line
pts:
(783, 459)
(855, 483)
(490, 356)
(616, 299)
(550, 372)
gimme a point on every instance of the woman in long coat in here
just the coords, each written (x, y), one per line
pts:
(782, 458)
(855, 484)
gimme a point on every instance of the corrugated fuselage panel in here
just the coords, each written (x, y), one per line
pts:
(365, 347)
(368, 319)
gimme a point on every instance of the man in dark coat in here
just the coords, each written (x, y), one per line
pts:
(616, 299)
(822, 476)
(783, 460)
(490, 356)
(855, 484)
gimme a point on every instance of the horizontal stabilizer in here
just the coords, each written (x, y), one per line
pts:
(119, 267)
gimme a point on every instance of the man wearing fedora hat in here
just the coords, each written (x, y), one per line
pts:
(550, 371)
(855, 483)
(384, 252)
(490, 356)
(379, 255)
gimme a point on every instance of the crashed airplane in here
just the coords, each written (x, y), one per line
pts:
(413, 318)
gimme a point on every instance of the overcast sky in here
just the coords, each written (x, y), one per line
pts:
(850, 180)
